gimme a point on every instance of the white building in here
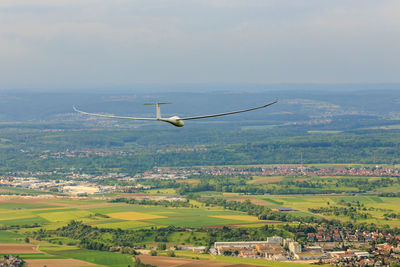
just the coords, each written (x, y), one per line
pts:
(240, 244)
(294, 247)
(275, 240)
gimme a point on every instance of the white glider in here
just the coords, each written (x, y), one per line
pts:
(174, 120)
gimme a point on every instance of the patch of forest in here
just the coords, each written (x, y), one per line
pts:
(102, 151)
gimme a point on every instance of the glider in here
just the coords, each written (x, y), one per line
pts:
(174, 120)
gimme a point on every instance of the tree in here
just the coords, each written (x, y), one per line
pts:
(162, 246)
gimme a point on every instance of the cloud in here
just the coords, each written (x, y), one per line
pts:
(95, 42)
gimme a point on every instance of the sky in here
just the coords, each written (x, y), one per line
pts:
(59, 44)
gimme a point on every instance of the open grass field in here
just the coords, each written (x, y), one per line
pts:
(23, 221)
(10, 237)
(6, 190)
(124, 225)
(100, 213)
(265, 179)
(14, 205)
(103, 258)
(103, 214)
(245, 218)
(134, 216)
(56, 255)
(376, 206)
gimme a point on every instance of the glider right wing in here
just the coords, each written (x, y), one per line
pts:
(228, 113)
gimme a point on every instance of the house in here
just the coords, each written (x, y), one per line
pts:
(185, 247)
(200, 249)
(275, 240)
(309, 256)
(361, 255)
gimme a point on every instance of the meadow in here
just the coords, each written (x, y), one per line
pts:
(98, 258)
(374, 205)
(103, 214)
(36, 213)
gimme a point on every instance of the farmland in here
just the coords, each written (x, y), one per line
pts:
(218, 262)
(147, 220)
(145, 191)
(374, 205)
(103, 214)
(28, 215)
(34, 214)
(51, 255)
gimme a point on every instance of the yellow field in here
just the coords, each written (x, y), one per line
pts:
(13, 215)
(245, 218)
(122, 225)
(65, 216)
(134, 216)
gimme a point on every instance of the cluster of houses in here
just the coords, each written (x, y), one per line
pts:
(70, 187)
(338, 234)
(275, 248)
(84, 153)
(11, 260)
(381, 255)
(281, 170)
(182, 149)
(279, 249)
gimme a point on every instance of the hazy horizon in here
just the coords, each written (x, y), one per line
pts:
(214, 87)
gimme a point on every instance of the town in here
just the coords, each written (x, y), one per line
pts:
(332, 246)
(77, 183)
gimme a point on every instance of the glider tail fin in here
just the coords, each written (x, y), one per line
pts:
(158, 112)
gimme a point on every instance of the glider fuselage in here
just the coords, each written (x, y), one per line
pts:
(175, 120)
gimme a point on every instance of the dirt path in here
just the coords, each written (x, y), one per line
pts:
(161, 261)
(18, 248)
(57, 263)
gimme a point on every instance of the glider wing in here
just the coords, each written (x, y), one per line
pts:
(228, 113)
(113, 116)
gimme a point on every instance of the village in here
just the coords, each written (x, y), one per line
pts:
(354, 253)
(76, 183)
(284, 170)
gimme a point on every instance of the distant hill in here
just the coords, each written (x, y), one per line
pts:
(330, 109)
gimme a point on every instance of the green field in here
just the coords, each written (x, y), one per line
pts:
(102, 258)
(10, 237)
(97, 257)
(101, 214)
(302, 203)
